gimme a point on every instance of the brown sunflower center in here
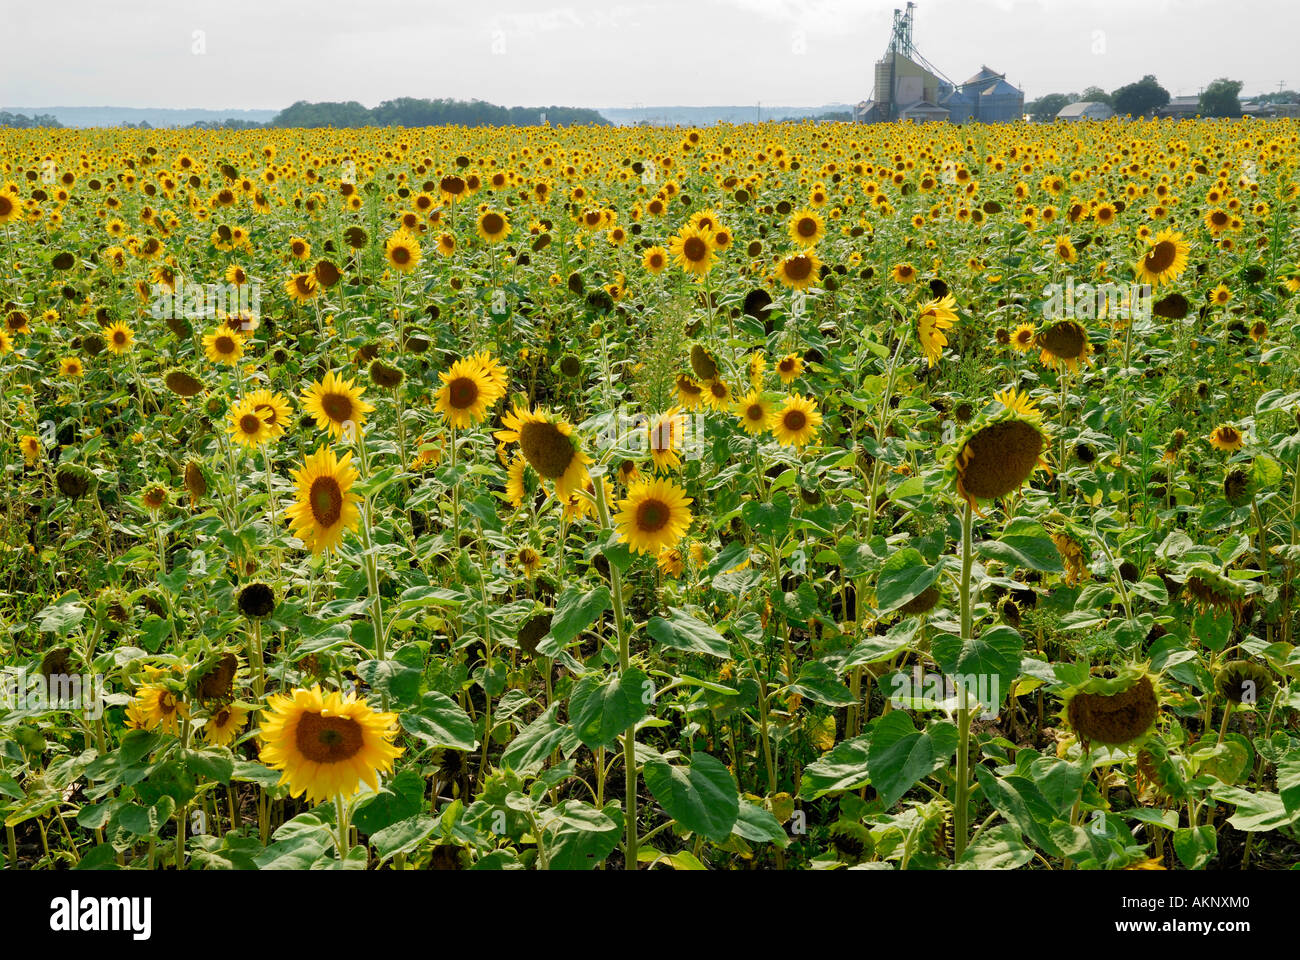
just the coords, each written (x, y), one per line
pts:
(462, 393)
(694, 249)
(329, 739)
(1065, 340)
(794, 420)
(798, 268)
(251, 424)
(493, 224)
(326, 501)
(807, 227)
(1218, 218)
(548, 450)
(119, 337)
(401, 254)
(652, 516)
(1116, 718)
(268, 412)
(337, 406)
(1161, 257)
(1000, 457)
(754, 412)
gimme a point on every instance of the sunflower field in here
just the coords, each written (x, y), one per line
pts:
(766, 497)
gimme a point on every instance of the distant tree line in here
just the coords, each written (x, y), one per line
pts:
(23, 122)
(1143, 98)
(414, 112)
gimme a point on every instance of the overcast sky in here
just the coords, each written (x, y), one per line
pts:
(266, 54)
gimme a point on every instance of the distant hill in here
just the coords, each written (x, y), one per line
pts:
(154, 116)
(414, 112)
(706, 116)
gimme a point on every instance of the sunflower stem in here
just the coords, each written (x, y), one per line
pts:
(624, 658)
(961, 793)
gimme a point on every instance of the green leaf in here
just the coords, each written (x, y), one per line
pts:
(701, 797)
(818, 682)
(1017, 799)
(1195, 846)
(440, 721)
(758, 825)
(601, 709)
(575, 611)
(681, 631)
(899, 756)
(401, 798)
(843, 768)
(904, 577)
(1023, 544)
(1256, 812)
(768, 519)
(578, 836)
(997, 848)
(978, 662)
(528, 751)
(403, 836)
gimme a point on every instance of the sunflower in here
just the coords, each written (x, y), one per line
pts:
(299, 248)
(655, 259)
(118, 337)
(936, 317)
(692, 250)
(335, 403)
(236, 275)
(717, 395)
(160, 709)
(31, 447)
(789, 368)
(492, 227)
(324, 506)
(1164, 260)
(671, 562)
(446, 245)
(327, 744)
(224, 725)
(1023, 337)
(807, 227)
(71, 367)
(1064, 345)
(689, 393)
(1220, 296)
(248, 425)
(224, 345)
(6, 342)
(274, 407)
(799, 271)
(301, 287)
(1115, 710)
(999, 452)
(549, 447)
(467, 391)
(1065, 249)
(653, 516)
(903, 273)
(754, 413)
(796, 423)
(515, 489)
(664, 437)
(402, 251)
(1226, 437)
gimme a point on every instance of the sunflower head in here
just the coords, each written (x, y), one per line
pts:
(1000, 449)
(1114, 710)
(1243, 681)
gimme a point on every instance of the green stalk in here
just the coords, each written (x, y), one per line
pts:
(624, 659)
(961, 797)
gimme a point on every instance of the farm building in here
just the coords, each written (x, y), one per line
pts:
(1085, 110)
(909, 87)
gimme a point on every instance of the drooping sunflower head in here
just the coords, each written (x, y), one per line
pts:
(256, 600)
(1116, 709)
(73, 480)
(1000, 449)
(549, 446)
(1206, 586)
(1243, 681)
(182, 383)
(936, 317)
(1064, 345)
(1226, 437)
(702, 362)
